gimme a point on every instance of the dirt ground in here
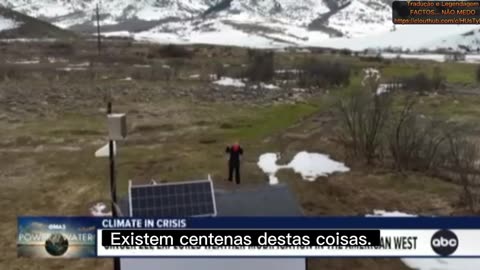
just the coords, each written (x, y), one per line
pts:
(51, 128)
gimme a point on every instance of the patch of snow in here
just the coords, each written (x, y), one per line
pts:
(413, 37)
(386, 87)
(27, 40)
(432, 57)
(56, 60)
(388, 55)
(194, 76)
(141, 66)
(127, 79)
(166, 67)
(474, 58)
(117, 34)
(426, 56)
(283, 71)
(301, 90)
(382, 89)
(226, 81)
(76, 67)
(268, 164)
(384, 213)
(71, 21)
(99, 210)
(270, 86)
(26, 62)
(313, 165)
(309, 165)
(72, 69)
(420, 56)
(6, 24)
(84, 64)
(266, 86)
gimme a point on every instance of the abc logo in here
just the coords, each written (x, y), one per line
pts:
(444, 242)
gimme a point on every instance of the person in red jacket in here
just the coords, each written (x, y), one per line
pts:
(235, 153)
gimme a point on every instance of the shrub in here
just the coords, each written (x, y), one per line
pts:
(419, 82)
(171, 51)
(177, 66)
(61, 48)
(323, 73)
(219, 70)
(477, 73)
(345, 52)
(415, 142)
(438, 79)
(462, 160)
(370, 124)
(260, 66)
(160, 71)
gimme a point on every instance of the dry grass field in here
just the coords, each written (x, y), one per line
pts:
(53, 119)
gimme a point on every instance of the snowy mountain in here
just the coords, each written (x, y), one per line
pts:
(258, 23)
(413, 37)
(17, 25)
(468, 40)
(75, 13)
(340, 14)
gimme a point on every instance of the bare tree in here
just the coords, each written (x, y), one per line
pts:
(414, 140)
(351, 110)
(477, 73)
(364, 116)
(463, 161)
(260, 66)
(220, 70)
(438, 78)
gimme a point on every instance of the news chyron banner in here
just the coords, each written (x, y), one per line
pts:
(436, 12)
(90, 237)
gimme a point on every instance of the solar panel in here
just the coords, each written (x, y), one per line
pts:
(183, 199)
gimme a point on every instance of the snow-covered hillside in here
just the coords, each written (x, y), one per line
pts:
(467, 40)
(354, 24)
(340, 18)
(15, 25)
(362, 18)
(413, 37)
(68, 13)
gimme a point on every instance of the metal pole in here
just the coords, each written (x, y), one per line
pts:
(99, 41)
(113, 184)
(111, 155)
